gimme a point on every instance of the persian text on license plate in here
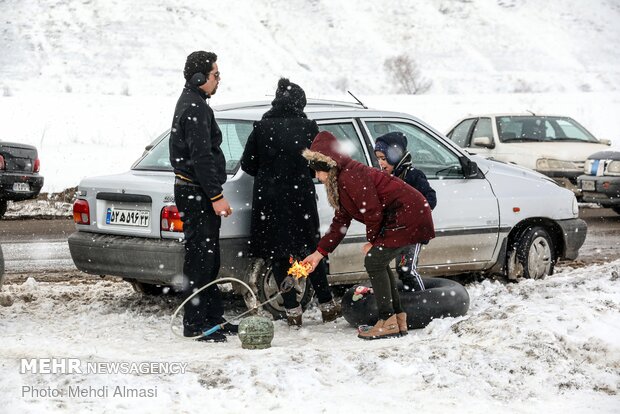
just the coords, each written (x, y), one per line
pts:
(587, 185)
(21, 187)
(140, 218)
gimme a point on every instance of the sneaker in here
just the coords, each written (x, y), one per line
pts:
(330, 311)
(293, 316)
(216, 336)
(383, 329)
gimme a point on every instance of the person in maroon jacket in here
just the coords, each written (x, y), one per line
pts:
(395, 214)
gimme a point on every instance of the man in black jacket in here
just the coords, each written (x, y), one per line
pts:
(200, 172)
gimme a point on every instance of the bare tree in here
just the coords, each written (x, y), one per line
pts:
(407, 75)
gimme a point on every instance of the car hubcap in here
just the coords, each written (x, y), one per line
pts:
(539, 258)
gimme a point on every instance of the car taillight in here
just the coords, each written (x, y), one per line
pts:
(1, 162)
(81, 212)
(171, 219)
(37, 165)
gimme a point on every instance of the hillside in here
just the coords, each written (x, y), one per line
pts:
(119, 47)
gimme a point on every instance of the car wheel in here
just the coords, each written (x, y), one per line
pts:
(532, 256)
(152, 290)
(616, 209)
(267, 289)
(3, 205)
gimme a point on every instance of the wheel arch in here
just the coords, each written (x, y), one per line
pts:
(552, 227)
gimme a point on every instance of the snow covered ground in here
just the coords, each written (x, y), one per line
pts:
(535, 346)
(90, 83)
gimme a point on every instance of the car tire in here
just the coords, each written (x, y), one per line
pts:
(266, 288)
(3, 206)
(616, 209)
(152, 290)
(532, 255)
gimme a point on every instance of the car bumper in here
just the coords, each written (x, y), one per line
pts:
(574, 232)
(603, 190)
(7, 180)
(157, 261)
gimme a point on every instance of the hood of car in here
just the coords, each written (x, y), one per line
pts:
(559, 150)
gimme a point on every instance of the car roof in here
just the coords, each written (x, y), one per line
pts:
(495, 115)
(315, 108)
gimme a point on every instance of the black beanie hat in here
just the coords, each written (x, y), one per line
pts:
(289, 95)
(199, 62)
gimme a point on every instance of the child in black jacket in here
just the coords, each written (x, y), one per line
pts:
(391, 151)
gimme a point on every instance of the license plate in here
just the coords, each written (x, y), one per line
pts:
(139, 218)
(21, 187)
(588, 185)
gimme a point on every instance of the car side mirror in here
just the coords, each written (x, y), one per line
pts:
(470, 168)
(605, 141)
(485, 142)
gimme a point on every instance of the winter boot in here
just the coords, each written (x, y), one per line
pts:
(402, 323)
(293, 316)
(330, 311)
(382, 329)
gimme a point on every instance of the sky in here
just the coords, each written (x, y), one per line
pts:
(90, 83)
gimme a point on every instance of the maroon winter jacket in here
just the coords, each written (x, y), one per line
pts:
(395, 214)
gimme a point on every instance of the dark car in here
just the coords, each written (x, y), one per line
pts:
(600, 182)
(19, 173)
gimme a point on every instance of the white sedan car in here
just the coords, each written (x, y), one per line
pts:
(556, 146)
(490, 217)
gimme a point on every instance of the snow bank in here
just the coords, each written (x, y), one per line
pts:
(85, 135)
(549, 345)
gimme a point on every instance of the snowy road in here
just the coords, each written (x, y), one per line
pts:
(36, 246)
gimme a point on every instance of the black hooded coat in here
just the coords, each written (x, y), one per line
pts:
(285, 220)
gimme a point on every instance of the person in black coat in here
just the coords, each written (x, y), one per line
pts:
(391, 151)
(200, 171)
(285, 220)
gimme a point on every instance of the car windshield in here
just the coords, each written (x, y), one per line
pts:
(234, 137)
(541, 128)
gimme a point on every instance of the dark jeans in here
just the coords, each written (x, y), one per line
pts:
(318, 278)
(377, 263)
(201, 227)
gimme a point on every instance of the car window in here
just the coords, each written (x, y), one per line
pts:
(348, 137)
(428, 153)
(483, 128)
(460, 134)
(541, 128)
(234, 137)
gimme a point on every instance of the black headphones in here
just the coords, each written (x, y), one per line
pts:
(198, 79)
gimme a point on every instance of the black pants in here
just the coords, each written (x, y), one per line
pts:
(318, 278)
(407, 268)
(377, 263)
(201, 227)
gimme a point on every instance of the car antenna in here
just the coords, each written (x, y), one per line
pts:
(531, 112)
(358, 101)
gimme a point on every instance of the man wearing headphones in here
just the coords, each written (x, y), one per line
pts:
(200, 171)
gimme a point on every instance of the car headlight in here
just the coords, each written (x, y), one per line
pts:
(587, 167)
(613, 168)
(547, 164)
(575, 207)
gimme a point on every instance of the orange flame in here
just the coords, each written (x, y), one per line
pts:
(299, 269)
